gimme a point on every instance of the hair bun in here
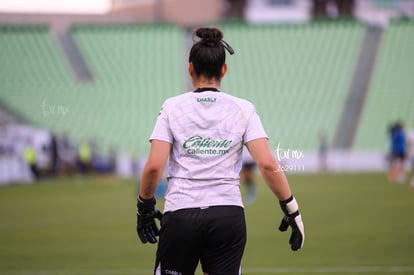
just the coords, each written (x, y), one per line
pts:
(209, 35)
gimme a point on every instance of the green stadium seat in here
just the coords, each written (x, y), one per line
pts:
(296, 75)
(391, 92)
(134, 68)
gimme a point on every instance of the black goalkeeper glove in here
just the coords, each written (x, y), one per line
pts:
(293, 219)
(146, 228)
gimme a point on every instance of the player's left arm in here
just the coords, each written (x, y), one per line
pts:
(276, 180)
(154, 167)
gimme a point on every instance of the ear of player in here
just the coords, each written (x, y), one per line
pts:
(146, 214)
(293, 219)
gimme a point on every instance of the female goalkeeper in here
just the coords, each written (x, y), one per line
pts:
(203, 132)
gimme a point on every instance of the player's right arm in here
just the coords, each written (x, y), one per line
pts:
(151, 176)
(277, 182)
(154, 167)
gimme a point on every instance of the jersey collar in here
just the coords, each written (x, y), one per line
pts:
(204, 89)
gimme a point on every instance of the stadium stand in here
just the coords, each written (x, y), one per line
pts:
(31, 71)
(358, 89)
(296, 75)
(391, 92)
(133, 67)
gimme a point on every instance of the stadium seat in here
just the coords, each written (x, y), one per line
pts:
(134, 66)
(391, 92)
(296, 75)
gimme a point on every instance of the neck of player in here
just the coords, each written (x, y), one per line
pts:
(203, 82)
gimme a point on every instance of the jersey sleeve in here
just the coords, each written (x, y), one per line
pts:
(254, 128)
(162, 129)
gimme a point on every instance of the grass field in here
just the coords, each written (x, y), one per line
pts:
(355, 224)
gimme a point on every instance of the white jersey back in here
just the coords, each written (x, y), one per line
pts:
(207, 131)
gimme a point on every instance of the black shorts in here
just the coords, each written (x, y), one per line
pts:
(214, 236)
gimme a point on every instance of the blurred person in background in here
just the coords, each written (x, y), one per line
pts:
(333, 8)
(112, 153)
(410, 141)
(85, 157)
(67, 153)
(30, 156)
(247, 177)
(202, 133)
(323, 151)
(7, 155)
(236, 9)
(100, 162)
(398, 153)
(54, 155)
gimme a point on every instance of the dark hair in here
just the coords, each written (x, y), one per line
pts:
(207, 54)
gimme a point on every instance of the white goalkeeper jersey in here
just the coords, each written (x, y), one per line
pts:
(207, 131)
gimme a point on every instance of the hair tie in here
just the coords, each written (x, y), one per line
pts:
(227, 47)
